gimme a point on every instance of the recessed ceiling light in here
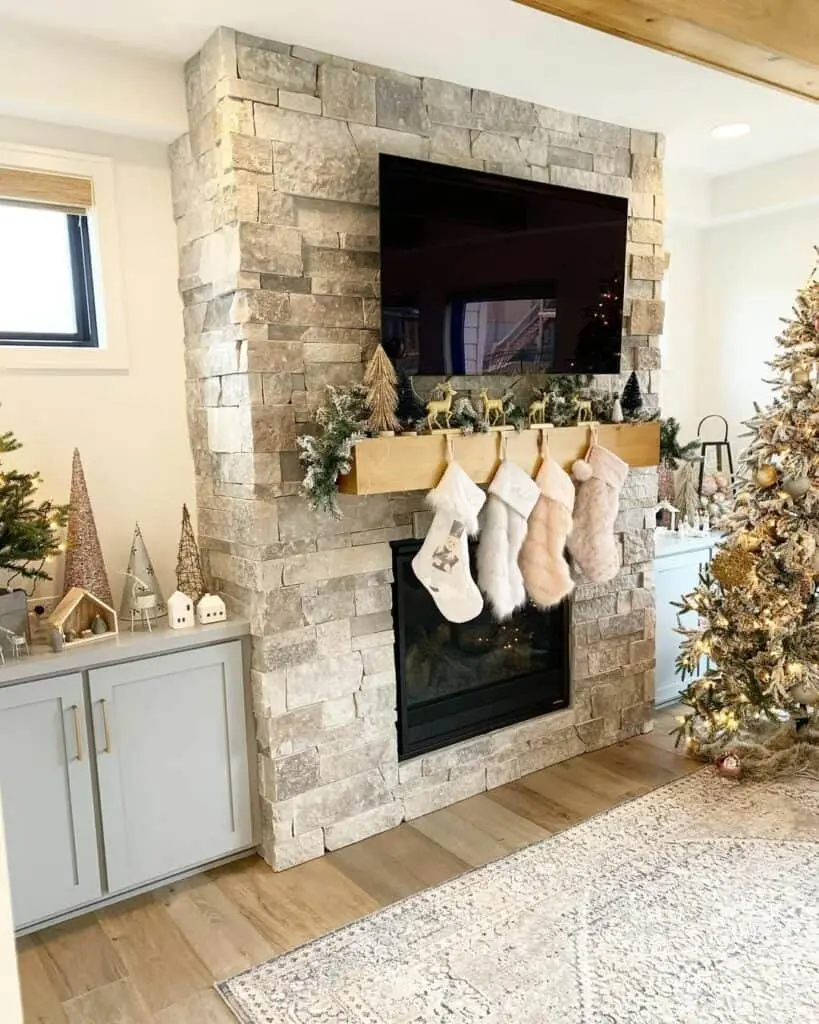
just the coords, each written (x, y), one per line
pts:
(730, 131)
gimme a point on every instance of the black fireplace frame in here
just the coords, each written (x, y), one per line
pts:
(480, 710)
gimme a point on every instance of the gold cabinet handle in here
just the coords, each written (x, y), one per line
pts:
(77, 731)
(105, 727)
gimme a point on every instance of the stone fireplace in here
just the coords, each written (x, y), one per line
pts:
(275, 194)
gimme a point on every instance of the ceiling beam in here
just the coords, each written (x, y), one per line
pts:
(774, 42)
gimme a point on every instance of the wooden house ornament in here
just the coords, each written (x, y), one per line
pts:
(82, 618)
(180, 611)
(211, 609)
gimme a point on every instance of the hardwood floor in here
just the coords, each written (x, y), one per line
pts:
(153, 959)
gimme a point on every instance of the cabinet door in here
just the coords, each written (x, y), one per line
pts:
(172, 762)
(674, 576)
(48, 802)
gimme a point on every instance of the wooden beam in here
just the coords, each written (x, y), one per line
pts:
(382, 465)
(773, 42)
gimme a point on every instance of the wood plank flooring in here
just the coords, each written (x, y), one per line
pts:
(153, 959)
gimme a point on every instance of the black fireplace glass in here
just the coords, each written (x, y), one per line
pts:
(457, 680)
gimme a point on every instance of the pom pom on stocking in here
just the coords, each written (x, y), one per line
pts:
(582, 470)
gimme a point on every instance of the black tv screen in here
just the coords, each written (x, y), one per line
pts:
(483, 273)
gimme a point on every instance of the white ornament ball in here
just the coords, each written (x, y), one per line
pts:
(581, 471)
(796, 486)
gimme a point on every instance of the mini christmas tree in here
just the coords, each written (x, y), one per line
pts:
(190, 579)
(141, 584)
(28, 530)
(758, 619)
(410, 408)
(632, 399)
(84, 566)
(382, 399)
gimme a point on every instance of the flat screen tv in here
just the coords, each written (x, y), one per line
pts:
(483, 273)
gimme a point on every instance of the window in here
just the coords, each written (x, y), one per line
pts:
(46, 282)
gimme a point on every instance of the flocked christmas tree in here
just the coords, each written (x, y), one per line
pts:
(190, 578)
(632, 398)
(382, 398)
(28, 529)
(84, 565)
(756, 605)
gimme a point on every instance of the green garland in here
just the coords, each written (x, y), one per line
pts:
(342, 420)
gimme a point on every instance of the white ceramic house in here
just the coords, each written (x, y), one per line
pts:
(211, 608)
(180, 610)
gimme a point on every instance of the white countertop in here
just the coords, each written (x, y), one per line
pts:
(667, 543)
(127, 646)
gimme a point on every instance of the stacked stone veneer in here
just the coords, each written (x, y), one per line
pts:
(275, 192)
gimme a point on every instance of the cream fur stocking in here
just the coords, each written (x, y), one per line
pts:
(442, 564)
(546, 573)
(512, 496)
(591, 543)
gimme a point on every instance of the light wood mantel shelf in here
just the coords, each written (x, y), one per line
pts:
(416, 462)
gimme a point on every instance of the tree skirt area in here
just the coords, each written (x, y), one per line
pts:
(695, 904)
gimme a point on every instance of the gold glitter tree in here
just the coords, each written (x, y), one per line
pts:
(190, 579)
(84, 566)
(758, 618)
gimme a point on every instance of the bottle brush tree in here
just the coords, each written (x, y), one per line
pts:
(757, 636)
(631, 400)
(29, 530)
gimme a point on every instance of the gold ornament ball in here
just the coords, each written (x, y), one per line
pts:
(800, 376)
(750, 540)
(766, 476)
(728, 765)
(733, 567)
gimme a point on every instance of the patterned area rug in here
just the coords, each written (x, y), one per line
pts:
(696, 904)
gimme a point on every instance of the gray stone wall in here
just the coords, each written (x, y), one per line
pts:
(275, 195)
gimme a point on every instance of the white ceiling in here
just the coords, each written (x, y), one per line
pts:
(490, 44)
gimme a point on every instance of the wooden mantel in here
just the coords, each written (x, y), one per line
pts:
(775, 42)
(416, 462)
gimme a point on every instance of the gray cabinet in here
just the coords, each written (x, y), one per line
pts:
(122, 776)
(172, 762)
(48, 801)
(677, 568)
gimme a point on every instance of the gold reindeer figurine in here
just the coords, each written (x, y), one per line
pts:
(440, 406)
(584, 410)
(537, 411)
(492, 409)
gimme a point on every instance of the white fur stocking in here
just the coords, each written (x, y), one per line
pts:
(512, 496)
(546, 573)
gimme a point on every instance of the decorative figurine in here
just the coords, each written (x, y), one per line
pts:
(16, 641)
(56, 639)
(440, 406)
(211, 609)
(492, 409)
(537, 411)
(584, 410)
(180, 610)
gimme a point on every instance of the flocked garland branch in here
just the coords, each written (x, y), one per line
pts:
(328, 455)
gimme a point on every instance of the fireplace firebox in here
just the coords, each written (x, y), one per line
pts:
(456, 680)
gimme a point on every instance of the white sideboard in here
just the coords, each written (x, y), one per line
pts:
(128, 770)
(677, 565)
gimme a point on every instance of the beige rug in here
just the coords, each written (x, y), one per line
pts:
(696, 904)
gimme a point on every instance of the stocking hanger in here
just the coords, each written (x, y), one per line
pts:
(450, 448)
(593, 434)
(502, 446)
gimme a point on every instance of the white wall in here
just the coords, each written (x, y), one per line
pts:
(74, 81)
(682, 289)
(752, 271)
(130, 427)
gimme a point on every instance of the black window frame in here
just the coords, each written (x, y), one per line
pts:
(82, 279)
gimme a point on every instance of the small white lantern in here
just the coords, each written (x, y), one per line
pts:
(180, 611)
(211, 608)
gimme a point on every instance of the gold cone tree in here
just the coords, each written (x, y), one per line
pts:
(382, 396)
(758, 619)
